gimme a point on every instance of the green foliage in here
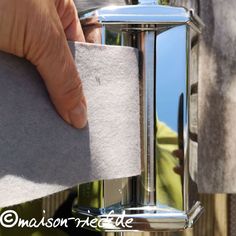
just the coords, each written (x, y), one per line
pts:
(163, 2)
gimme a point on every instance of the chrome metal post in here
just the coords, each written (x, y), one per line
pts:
(145, 2)
(148, 176)
(158, 199)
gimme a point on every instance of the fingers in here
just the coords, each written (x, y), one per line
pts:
(68, 15)
(92, 30)
(52, 56)
(69, 18)
(93, 34)
(33, 29)
(64, 85)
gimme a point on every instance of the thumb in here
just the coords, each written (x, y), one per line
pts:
(64, 86)
(55, 63)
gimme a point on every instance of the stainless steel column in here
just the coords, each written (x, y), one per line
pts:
(147, 188)
(158, 199)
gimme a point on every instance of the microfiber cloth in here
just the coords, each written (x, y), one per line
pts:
(40, 154)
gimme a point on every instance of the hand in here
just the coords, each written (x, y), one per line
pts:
(38, 30)
(92, 30)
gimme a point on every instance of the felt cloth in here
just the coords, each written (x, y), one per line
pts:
(40, 154)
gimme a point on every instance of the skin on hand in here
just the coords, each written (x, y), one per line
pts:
(38, 31)
(92, 30)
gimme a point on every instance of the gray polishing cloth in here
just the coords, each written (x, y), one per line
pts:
(40, 154)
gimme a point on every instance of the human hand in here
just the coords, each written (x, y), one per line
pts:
(92, 30)
(38, 31)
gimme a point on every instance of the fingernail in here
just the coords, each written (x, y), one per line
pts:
(78, 116)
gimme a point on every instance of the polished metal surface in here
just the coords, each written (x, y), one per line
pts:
(164, 196)
(146, 218)
(171, 114)
(140, 14)
(148, 178)
(146, 2)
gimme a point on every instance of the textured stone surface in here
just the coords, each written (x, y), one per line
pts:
(193, 161)
(217, 98)
(193, 114)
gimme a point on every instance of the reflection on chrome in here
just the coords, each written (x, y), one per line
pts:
(171, 112)
(163, 197)
(169, 183)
